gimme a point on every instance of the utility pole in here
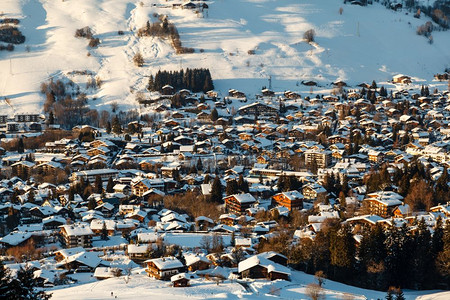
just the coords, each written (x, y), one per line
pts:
(270, 82)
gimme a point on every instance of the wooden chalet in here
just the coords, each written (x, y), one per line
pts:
(179, 280)
(76, 235)
(163, 268)
(238, 203)
(265, 265)
(291, 200)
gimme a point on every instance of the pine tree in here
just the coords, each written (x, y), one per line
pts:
(390, 294)
(110, 185)
(342, 251)
(232, 187)
(98, 185)
(214, 115)
(51, 118)
(25, 286)
(104, 235)
(437, 242)
(207, 178)
(199, 165)
(92, 204)
(5, 279)
(243, 184)
(71, 197)
(443, 259)
(20, 146)
(108, 127)
(116, 127)
(216, 191)
(399, 295)
(422, 258)
(398, 256)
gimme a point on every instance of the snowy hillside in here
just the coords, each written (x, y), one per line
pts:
(140, 285)
(362, 44)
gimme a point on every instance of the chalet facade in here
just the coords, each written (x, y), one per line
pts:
(238, 203)
(291, 200)
(163, 268)
(76, 235)
(265, 266)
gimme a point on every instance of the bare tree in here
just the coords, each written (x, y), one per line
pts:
(315, 291)
(320, 277)
(138, 59)
(309, 35)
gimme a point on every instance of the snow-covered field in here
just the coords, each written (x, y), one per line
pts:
(140, 286)
(362, 44)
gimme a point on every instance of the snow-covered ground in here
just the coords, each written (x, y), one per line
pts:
(142, 287)
(362, 44)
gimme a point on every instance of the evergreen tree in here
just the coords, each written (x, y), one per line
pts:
(232, 187)
(216, 191)
(443, 259)
(342, 251)
(92, 204)
(26, 287)
(192, 170)
(116, 127)
(390, 294)
(399, 295)
(71, 197)
(437, 242)
(108, 127)
(104, 234)
(214, 115)
(98, 185)
(199, 165)
(243, 184)
(51, 118)
(20, 146)
(208, 85)
(422, 258)
(110, 185)
(207, 178)
(398, 256)
(5, 278)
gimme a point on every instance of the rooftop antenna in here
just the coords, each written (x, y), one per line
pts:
(270, 82)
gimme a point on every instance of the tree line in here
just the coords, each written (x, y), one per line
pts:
(195, 80)
(405, 257)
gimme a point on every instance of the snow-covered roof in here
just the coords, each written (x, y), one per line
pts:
(166, 263)
(244, 198)
(77, 229)
(263, 261)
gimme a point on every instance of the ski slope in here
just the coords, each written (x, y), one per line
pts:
(143, 287)
(361, 45)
